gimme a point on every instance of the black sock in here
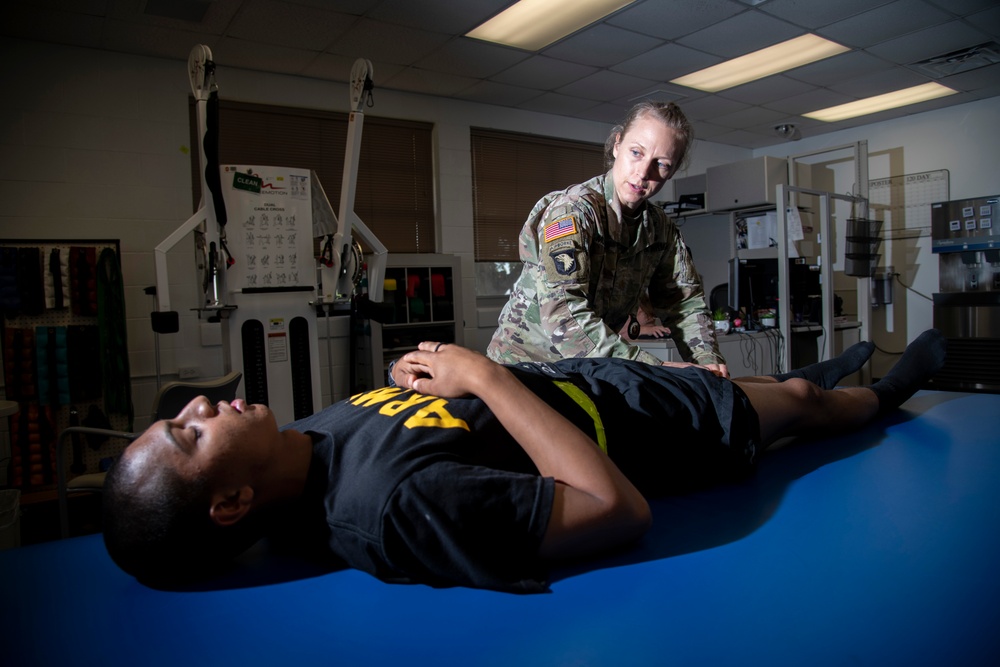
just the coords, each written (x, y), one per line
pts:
(920, 361)
(828, 373)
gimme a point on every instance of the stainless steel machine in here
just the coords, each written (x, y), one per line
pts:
(967, 308)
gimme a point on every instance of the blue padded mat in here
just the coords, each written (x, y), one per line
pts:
(878, 548)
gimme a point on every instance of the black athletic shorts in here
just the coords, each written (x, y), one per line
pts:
(668, 429)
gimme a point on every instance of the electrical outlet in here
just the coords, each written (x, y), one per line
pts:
(187, 372)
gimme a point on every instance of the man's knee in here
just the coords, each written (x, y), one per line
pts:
(803, 391)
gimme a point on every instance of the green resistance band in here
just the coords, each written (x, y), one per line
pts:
(581, 399)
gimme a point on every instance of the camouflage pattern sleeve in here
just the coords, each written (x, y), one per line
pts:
(678, 298)
(562, 277)
(550, 314)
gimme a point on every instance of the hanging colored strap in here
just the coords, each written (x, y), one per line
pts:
(55, 269)
(585, 402)
(30, 281)
(113, 336)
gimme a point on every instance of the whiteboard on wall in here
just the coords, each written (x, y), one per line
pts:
(903, 203)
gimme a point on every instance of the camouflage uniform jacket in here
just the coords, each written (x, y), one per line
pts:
(584, 269)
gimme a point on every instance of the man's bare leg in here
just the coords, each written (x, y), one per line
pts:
(797, 406)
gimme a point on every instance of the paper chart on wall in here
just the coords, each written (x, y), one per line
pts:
(269, 232)
(904, 202)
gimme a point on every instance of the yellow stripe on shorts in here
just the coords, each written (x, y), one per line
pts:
(584, 401)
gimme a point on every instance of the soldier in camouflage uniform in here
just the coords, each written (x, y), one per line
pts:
(590, 252)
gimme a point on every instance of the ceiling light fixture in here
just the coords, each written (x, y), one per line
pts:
(781, 57)
(534, 24)
(893, 100)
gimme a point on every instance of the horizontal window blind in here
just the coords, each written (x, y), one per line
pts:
(394, 193)
(510, 173)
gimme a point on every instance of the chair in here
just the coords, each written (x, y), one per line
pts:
(168, 402)
(719, 298)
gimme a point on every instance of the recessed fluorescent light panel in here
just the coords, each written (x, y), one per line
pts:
(534, 24)
(774, 59)
(899, 98)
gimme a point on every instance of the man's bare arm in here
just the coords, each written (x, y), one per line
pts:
(595, 505)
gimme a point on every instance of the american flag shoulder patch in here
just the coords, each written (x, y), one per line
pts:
(560, 228)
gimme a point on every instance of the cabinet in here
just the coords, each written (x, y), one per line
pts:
(422, 299)
(687, 195)
(744, 184)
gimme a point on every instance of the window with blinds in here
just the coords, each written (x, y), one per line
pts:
(394, 195)
(510, 173)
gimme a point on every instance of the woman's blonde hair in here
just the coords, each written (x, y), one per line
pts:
(667, 112)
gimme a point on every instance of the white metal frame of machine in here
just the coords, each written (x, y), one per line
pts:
(826, 268)
(337, 279)
(859, 151)
(201, 71)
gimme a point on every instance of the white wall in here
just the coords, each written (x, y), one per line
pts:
(965, 141)
(96, 144)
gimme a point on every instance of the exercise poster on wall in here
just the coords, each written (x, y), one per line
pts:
(904, 202)
(269, 228)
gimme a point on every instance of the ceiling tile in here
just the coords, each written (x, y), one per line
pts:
(706, 130)
(155, 41)
(557, 104)
(612, 114)
(962, 7)
(983, 93)
(240, 53)
(270, 22)
(418, 80)
(747, 118)
(62, 27)
(885, 22)
(766, 90)
(878, 83)
(387, 43)
(666, 62)
(605, 86)
(988, 21)
(814, 14)
(218, 15)
(355, 7)
(543, 73)
(672, 18)
(602, 45)
(711, 106)
(804, 125)
(746, 139)
(472, 57)
(838, 68)
(976, 79)
(820, 98)
(929, 42)
(662, 92)
(452, 17)
(491, 92)
(740, 35)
